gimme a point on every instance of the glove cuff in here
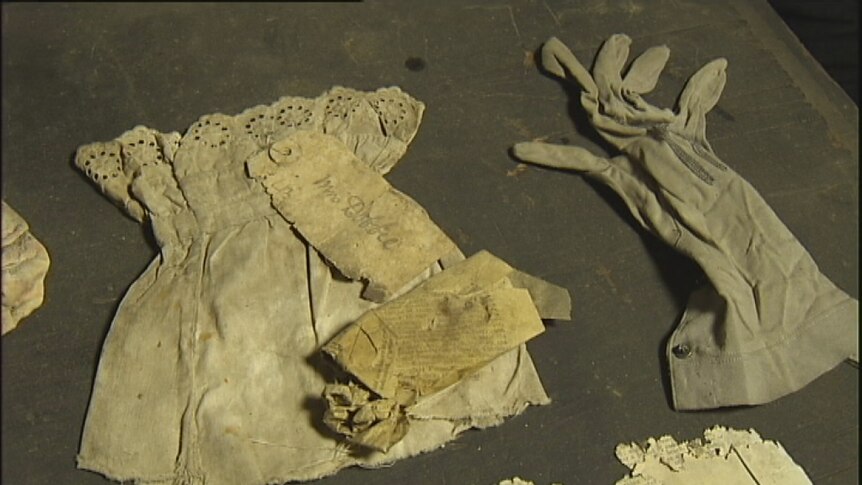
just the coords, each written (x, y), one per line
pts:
(732, 378)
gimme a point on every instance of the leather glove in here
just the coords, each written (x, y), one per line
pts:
(769, 322)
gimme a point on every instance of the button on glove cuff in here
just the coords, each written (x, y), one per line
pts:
(778, 368)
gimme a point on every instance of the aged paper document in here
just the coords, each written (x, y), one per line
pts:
(349, 212)
(430, 338)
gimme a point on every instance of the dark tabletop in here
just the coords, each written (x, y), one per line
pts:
(73, 74)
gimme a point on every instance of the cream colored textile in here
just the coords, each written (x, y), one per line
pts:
(210, 373)
(724, 456)
(769, 322)
(25, 264)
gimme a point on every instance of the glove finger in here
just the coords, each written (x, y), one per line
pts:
(607, 73)
(557, 59)
(700, 95)
(608, 68)
(704, 87)
(559, 156)
(643, 74)
(642, 77)
(618, 173)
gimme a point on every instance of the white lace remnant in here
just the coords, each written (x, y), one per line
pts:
(516, 481)
(25, 264)
(520, 481)
(723, 456)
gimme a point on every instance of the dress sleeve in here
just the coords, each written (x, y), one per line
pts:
(267, 124)
(378, 126)
(115, 165)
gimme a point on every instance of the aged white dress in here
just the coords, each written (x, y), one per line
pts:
(210, 372)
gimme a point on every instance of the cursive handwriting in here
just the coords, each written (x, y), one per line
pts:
(358, 210)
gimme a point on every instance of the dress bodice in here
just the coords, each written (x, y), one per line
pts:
(197, 182)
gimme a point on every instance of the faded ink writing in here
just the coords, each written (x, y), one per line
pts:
(358, 210)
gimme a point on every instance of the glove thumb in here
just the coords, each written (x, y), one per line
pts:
(559, 156)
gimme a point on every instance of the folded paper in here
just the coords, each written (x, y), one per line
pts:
(430, 338)
(349, 213)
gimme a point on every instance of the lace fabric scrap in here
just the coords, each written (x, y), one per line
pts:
(724, 455)
(25, 265)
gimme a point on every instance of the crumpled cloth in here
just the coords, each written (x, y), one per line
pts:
(210, 372)
(400, 355)
(25, 265)
(769, 322)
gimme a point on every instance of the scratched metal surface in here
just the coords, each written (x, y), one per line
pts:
(79, 73)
